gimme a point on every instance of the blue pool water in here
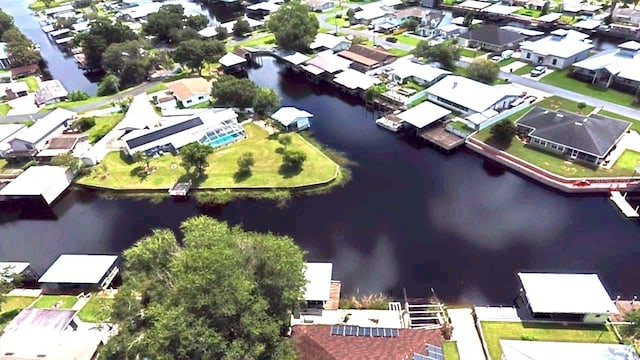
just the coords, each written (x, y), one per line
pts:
(224, 140)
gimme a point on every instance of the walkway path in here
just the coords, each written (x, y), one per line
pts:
(465, 334)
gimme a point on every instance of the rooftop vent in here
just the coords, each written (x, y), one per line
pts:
(455, 83)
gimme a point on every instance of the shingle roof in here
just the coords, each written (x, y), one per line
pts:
(594, 134)
(186, 88)
(50, 90)
(492, 34)
(315, 342)
(377, 54)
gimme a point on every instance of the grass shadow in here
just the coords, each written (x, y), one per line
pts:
(280, 150)
(241, 175)
(288, 171)
(196, 179)
(139, 172)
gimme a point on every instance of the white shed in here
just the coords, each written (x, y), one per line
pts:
(318, 281)
(44, 182)
(292, 118)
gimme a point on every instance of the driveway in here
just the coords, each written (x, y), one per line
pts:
(465, 334)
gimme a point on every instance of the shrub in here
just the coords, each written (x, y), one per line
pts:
(77, 95)
(372, 302)
(84, 124)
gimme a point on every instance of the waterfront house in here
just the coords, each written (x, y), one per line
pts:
(22, 71)
(559, 50)
(62, 144)
(409, 69)
(38, 184)
(320, 5)
(326, 64)
(4, 56)
(423, 115)
(366, 58)
(353, 80)
(491, 38)
(292, 118)
(565, 297)
(77, 273)
(262, 9)
(626, 16)
(16, 89)
(232, 63)
(20, 271)
(552, 350)
(618, 67)
(586, 138)
(139, 12)
(50, 91)
(60, 11)
(323, 42)
(190, 91)
(33, 139)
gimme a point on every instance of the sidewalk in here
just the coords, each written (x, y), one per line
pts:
(465, 334)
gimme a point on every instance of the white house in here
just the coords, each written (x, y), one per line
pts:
(559, 50)
(551, 350)
(190, 91)
(292, 118)
(4, 56)
(81, 271)
(619, 66)
(33, 139)
(50, 91)
(369, 13)
(565, 297)
(407, 68)
(320, 5)
(7, 133)
(334, 43)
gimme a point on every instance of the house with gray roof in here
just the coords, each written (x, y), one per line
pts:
(492, 38)
(588, 139)
(29, 141)
(558, 50)
(618, 67)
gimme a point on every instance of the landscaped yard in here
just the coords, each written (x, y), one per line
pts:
(408, 40)
(103, 125)
(40, 5)
(341, 22)
(399, 52)
(450, 350)
(98, 309)
(524, 70)
(529, 12)
(49, 301)
(32, 83)
(11, 307)
(118, 172)
(259, 41)
(561, 79)
(157, 87)
(72, 104)
(471, 53)
(508, 61)
(635, 124)
(4, 109)
(558, 103)
(494, 331)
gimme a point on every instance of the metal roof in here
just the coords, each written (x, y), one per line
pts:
(318, 281)
(79, 269)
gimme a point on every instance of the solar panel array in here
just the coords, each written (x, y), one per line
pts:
(435, 352)
(417, 356)
(164, 132)
(350, 330)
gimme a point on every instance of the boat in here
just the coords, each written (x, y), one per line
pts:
(389, 124)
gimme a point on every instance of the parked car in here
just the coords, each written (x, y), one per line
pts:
(391, 39)
(496, 59)
(538, 70)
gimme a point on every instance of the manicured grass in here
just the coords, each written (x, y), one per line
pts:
(471, 53)
(460, 126)
(561, 79)
(556, 103)
(449, 2)
(260, 41)
(528, 12)
(39, 5)
(628, 161)
(12, 307)
(524, 70)
(117, 172)
(48, 301)
(508, 61)
(72, 104)
(635, 123)
(98, 309)
(341, 22)
(4, 109)
(32, 83)
(450, 349)
(157, 87)
(494, 331)
(408, 40)
(399, 52)
(103, 125)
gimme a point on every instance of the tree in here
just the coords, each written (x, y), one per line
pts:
(445, 53)
(5, 286)
(84, 123)
(6, 22)
(110, 84)
(503, 133)
(224, 294)
(194, 155)
(194, 53)
(468, 19)
(185, 34)
(103, 32)
(633, 330)
(265, 101)
(234, 92)
(411, 24)
(165, 22)
(545, 8)
(292, 160)
(128, 60)
(196, 22)
(77, 95)
(351, 13)
(483, 70)
(245, 162)
(293, 26)
(284, 140)
(241, 27)
(221, 33)
(144, 159)
(66, 160)
(21, 49)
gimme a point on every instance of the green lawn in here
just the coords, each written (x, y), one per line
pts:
(98, 309)
(471, 53)
(450, 349)
(635, 123)
(72, 104)
(556, 102)
(460, 126)
(528, 12)
(408, 40)
(561, 79)
(259, 41)
(399, 52)
(32, 83)
(12, 307)
(524, 70)
(48, 301)
(117, 172)
(157, 87)
(494, 331)
(4, 109)
(39, 5)
(103, 125)
(341, 22)
(508, 61)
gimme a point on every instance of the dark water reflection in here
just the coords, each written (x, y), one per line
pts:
(412, 217)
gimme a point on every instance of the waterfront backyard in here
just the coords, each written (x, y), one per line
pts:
(117, 171)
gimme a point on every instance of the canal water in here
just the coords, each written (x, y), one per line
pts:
(411, 217)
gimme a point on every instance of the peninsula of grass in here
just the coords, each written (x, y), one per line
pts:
(118, 172)
(98, 309)
(450, 350)
(494, 331)
(12, 307)
(561, 79)
(63, 302)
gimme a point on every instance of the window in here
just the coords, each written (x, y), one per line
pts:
(543, 143)
(201, 97)
(29, 146)
(528, 55)
(554, 62)
(189, 101)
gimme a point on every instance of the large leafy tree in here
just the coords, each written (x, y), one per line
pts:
(231, 91)
(165, 23)
(194, 53)
(241, 27)
(483, 70)
(67, 160)
(196, 22)
(21, 49)
(265, 101)
(6, 22)
(446, 53)
(128, 60)
(294, 26)
(225, 294)
(503, 132)
(194, 156)
(103, 32)
(632, 330)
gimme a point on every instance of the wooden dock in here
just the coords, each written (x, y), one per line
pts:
(440, 137)
(621, 201)
(180, 189)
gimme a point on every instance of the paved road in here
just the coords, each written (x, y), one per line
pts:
(465, 334)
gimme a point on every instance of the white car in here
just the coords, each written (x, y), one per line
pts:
(538, 70)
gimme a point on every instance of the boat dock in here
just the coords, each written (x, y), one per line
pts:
(621, 201)
(390, 122)
(440, 137)
(180, 189)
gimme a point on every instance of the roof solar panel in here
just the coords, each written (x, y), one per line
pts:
(365, 331)
(435, 352)
(162, 133)
(417, 356)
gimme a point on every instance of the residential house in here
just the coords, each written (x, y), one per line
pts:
(321, 5)
(213, 128)
(424, 115)
(450, 30)
(7, 133)
(293, 119)
(232, 63)
(369, 13)
(262, 9)
(323, 42)
(366, 58)
(528, 4)
(16, 89)
(626, 16)
(551, 350)
(62, 144)
(560, 49)
(33, 139)
(434, 20)
(22, 71)
(428, 19)
(409, 69)
(4, 56)
(75, 273)
(50, 91)
(618, 67)
(565, 297)
(139, 12)
(60, 11)
(354, 81)
(21, 271)
(578, 137)
(479, 103)
(325, 65)
(39, 184)
(491, 38)
(190, 91)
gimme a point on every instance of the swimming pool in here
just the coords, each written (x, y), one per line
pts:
(221, 141)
